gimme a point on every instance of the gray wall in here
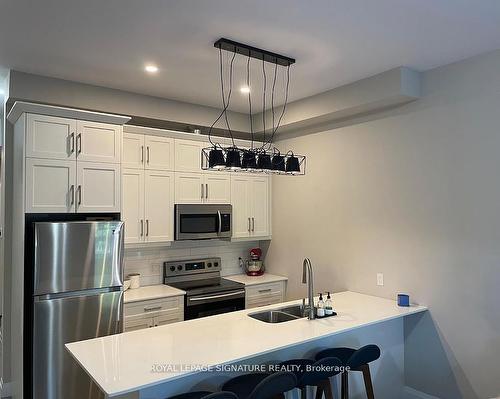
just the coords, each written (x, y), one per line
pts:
(413, 193)
(54, 91)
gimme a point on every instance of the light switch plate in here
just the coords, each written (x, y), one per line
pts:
(380, 279)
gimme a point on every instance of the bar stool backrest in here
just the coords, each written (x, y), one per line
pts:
(221, 395)
(273, 385)
(363, 355)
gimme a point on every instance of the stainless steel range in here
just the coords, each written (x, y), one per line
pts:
(207, 293)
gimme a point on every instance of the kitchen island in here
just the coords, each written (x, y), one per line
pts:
(161, 361)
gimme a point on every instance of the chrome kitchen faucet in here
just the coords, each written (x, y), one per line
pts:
(307, 278)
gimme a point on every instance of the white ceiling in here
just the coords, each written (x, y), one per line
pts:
(334, 41)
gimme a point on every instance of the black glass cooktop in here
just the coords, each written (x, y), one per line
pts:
(206, 286)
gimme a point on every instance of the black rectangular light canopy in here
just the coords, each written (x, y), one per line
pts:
(254, 52)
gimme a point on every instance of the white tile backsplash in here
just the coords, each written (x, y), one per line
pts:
(149, 261)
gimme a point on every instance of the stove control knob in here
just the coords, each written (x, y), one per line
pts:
(179, 267)
(172, 268)
(216, 264)
(209, 265)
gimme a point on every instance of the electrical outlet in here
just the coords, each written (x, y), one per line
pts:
(380, 278)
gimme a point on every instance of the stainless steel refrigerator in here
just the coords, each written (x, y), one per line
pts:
(77, 295)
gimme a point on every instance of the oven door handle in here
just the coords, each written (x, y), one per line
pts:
(205, 298)
(219, 230)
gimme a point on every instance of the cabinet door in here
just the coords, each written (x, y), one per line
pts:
(168, 318)
(259, 194)
(159, 206)
(159, 153)
(189, 188)
(133, 323)
(217, 188)
(98, 142)
(98, 187)
(50, 137)
(133, 204)
(133, 151)
(241, 208)
(188, 155)
(50, 186)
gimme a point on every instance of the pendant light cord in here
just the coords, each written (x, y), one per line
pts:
(249, 100)
(224, 104)
(264, 100)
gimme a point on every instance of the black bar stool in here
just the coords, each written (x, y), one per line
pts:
(261, 385)
(205, 395)
(316, 377)
(356, 360)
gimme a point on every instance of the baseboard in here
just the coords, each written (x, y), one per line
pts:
(6, 390)
(411, 393)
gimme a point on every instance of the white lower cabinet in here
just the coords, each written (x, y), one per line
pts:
(250, 196)
(264, 294)
(202, 188)
(153, 313)
(148, 205)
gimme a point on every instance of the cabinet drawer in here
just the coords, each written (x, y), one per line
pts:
(264, 300)
(155, 307)
(168, 317)
(262, 290)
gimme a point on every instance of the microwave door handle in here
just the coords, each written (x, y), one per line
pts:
(219, 230)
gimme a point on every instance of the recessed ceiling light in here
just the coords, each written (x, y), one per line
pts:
(245, 89)
(151, 68)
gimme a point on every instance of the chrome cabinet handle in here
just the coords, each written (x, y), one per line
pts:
(253, 224)
(206, 191)
(202, 191)
(72, 195)
(147, 227)
(147, 154)
(79, 194)
(204, 298)
(72, 139)
(142, 154)
(219, 230)
(266, 290)
(249, 225)
(79, 143)
(142, 228)
(152, 309)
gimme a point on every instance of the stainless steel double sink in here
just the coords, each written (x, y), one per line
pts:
(280, 315)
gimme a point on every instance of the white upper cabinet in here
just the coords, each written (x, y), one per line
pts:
(189, 188)
(133, 151)
(251, 203)
(159, 153)
(50, 185)
(188, 155)
(217, 188)
(50, 137)
(98, 142)
(241, 206)
(98, 187)
(159, 206)
(259, 193)
(133, 204)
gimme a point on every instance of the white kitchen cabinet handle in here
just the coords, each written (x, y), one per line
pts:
(152, 309)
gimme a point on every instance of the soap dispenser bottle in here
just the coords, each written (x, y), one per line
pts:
(321, 306)
(328, 305)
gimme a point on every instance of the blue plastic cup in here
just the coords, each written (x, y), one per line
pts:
(403, 300)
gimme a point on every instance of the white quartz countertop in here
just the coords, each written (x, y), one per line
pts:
(254, 280)
(151, 292)
(123, 363)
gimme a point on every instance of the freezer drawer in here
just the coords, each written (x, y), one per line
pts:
(74, 256)
(59, 321)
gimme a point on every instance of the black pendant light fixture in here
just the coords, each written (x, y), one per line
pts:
(262, 156)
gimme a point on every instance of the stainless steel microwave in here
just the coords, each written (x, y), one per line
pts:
(202, 221)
